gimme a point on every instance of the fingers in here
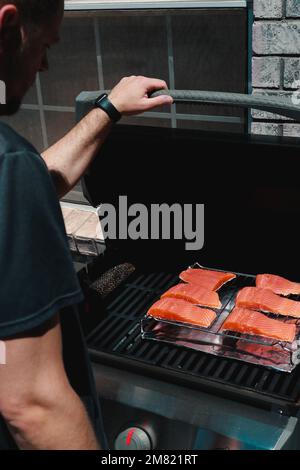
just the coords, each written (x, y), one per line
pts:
(131, 95)
(158, 101)
(156, 84)
(148, 82)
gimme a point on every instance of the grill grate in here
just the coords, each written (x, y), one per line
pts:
(118, 337)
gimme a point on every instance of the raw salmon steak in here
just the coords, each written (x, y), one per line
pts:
(256, 298)
(181, 311)
(210, 280)
(277, 284)
(195, 294)
(255, 323)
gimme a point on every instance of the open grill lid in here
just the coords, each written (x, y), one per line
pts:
(249, 186)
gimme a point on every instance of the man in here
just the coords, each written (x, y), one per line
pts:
(47, 396)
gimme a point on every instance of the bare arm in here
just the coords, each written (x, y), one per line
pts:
(41, 409)
(70, 157)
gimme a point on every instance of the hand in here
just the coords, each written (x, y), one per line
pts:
(130, 95)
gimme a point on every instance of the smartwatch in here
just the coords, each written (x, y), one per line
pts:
(106, 105)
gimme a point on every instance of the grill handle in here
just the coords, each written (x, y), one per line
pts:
(264, 103)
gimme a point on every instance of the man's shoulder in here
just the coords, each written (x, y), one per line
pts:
(12, 142)
(13, 146)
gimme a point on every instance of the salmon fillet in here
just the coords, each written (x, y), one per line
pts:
(277, 284)
(182, 311)
(265, 300)
(255, 323)
(210, 280)
(195, 294)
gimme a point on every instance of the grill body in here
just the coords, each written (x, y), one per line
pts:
(190, 399)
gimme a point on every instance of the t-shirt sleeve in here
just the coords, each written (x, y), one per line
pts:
(37, 277)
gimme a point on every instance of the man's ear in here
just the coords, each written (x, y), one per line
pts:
(9, 21)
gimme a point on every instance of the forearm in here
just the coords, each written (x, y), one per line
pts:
(63, 426)
(69, 158)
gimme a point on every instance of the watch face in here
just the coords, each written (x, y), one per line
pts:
(101, 97)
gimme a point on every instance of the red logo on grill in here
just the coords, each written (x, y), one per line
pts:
(129, 437)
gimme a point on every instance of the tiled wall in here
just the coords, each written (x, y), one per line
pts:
(276, 63)
(204, 50)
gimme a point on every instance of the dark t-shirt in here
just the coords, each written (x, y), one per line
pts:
(36, 270)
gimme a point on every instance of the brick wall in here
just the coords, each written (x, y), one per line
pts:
(276, 60)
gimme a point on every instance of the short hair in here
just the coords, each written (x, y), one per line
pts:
(35, 11)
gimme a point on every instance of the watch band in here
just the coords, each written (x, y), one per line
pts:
(106, 105)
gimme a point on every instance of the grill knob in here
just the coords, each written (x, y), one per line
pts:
(133, 439)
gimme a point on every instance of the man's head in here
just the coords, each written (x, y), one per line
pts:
(27, 29)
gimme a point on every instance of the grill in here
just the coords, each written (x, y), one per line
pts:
(117, 341)
(190, 399)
